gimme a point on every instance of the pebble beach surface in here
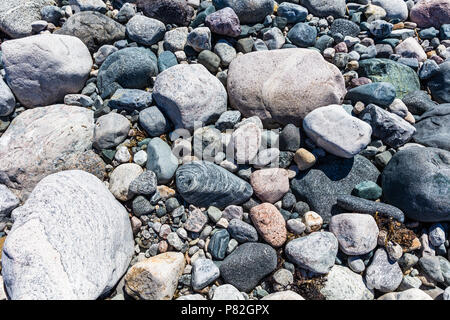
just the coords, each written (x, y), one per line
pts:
(225, 149)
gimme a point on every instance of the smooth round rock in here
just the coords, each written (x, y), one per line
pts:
(383, 274)
(144, 30)
(270, 185)
(270, 224)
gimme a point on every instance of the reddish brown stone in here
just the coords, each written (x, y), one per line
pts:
(270, 224)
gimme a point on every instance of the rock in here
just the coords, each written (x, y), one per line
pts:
(191, 297)
(304, 159)
(410, 48)
(270, 185)
(331, 178)
(325, 8)
(345, 27)
(155, 278)
(439, 84)
(144, 184)
(343, 284)
(144, 30)
(227, 292)
(200, 39)
(218, 244)
(283, 295)
(290, 137)
(266, 84)
(270, 224)
(204, 272)
(42, 69)
(315, 252)
(226, 53)
(161, 160)
(189, 93)
(16, 16)
(303, 35)
(293, 13)
(152, 120)
(130, 68)
(402, 77)
(418, 102)
(410, 295)
(248, 264)
(416, 180)
(433, 13)
(246, 141)
(380, 93)
(209, 60)
(432, 128)
(395, 9)
(130, 99)
(110, 130)
(274, 38)
(103, 52)
(70, 240)
(368, 190)
(357, 234)
(166, 60)
(89, 5)
(93, 28)
(382, 274)
(296, 226)
(436, 234)
(224, 22)
(339, 133)
(31, 150)
(9, 201)
(432, 268)
(387, 126)
(380, 29)
(168, 11)
(206, 184)
(248, 11)
(242, 231)
(7, 99)
(175, 39)
(355, 204)
(121, 178)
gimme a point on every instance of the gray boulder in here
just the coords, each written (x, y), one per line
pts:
(383, 274)
(144, 30)
(7, 99)
(432, 128)
(325, 8)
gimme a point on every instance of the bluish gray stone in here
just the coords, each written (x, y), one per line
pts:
(248, 11)
(432, 267)
(292, 12)
(432, 128)
(153, 121)
(345, 27)
(205, 184)
(144, 30)
(325, 8)
(439, 84)
(144, 184)
(204, 272)
(224, 22)
(177, 12)
(7, 99)
(355, 204)
(242, 231)
(303, 35)
(382, 273)
(380, 93)
(228, 120)
(161, 160)
(130, 99)
(166, 60)
(218, 244)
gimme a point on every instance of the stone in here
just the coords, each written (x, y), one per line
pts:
(226, 53)
(399, 108)
(204, 272)
(315, 252)
(93, 28)
(122, 154)
(144, 184)
(325, 8)
(42, 69)
(439, 83)
(418, 102)
(166, 60)
(153, 121)
(270, 185)
(228, 120)
(175, 39)
(161, 160)
(141, 206)
(387, 126)
(410, 48)
(110, 130)
(224, 22)
(16, 16)
(177, 12)
(303, 35)
(380, 29)
(432, 128)
(248, 264)
(436, 234)
(246, 141)
(248, 11)
(209, 60)
(205, 184)
(383, 274)
(395, 9)
(368, 190)
(432, 268)
(332, 177)
(293, 13)
(274, 38)
(144, 30)
(357, 234)
(89, 5)
(270, 224)
(266, 84)
(126, 12)
(409, 295)
(70, 240)
(130, 99)
(130, 68)
(104, 52)
(189, 94)
(334, 130)
(200, 39)
(402, 77)
(31, 150)
(242, 231)
(296, 226)
(283, 295)
(79, 100)
(155, 278)
(355, 204)
(227, 292)
(9, 201)
(121, 178)
(233, 212)
(313, 221)
(431, 13)
(345, 27)
(7, 99)
(344, 284)
(380, 93)
(218, 244)
(304, 159)
(416, 180)
(290, 137)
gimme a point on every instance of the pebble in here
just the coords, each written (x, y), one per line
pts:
(270, 224)
(242, 231)
(121, 178)
(224, 22)
(161, 160)
(227, 292)
(204, 272)
(270, 185)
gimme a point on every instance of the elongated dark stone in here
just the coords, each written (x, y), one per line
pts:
(205, 184)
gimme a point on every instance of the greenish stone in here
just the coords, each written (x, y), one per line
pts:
(214, 214)
(392, 42)
(108, 155)
(146, 141)
(367, 190)
(403, 78)
(218, 244)
(209, 60)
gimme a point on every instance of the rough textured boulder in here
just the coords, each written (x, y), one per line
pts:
(70, 240)
(31, 149)
(431, 13)
(417, 180)
(280, 85)
(42, 69)
(168, 11)
(93, 28)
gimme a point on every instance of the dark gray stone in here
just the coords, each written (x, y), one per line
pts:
(144, 30)
(248, 11)
(153, 121)
(303, 35)
(290, 138)
(345, 27)
(433, 128)
(242, 231)
(354, 204)
(325, 8)
(168, 11)
(144, 184)
(380, 93)
(439, 84)
(418, 102)
(432, 267)
(218, 244)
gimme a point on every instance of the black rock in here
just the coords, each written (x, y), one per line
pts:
(290, 138)
(332, 177)
(205, 184)
(359, 205)
(345, 27)
(433, 128)
(248, 264)
(418, 102)
(417, 180)
(379, 93)
(439, 84)
(168, 11)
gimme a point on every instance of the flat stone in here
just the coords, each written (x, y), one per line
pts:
(315, 252)
(70, 240)
(383, 274)
(270, 185)
(161, 160)
(204, 272)
(270, 224)
(121, 178)
(155, 278)
(110, 130)
(205, 184)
